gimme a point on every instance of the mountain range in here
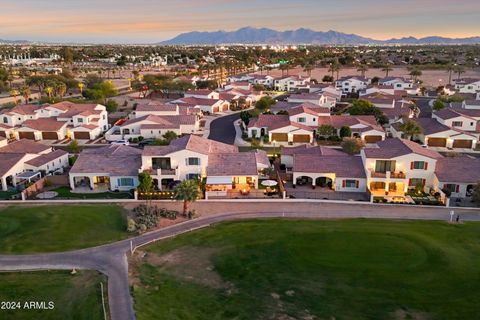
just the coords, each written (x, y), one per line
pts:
(250, 35)
(13, 41)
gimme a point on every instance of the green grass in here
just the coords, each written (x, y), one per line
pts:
(59, 228)
(353, 269)
(7, 195)
(64, 192)
(74, 296)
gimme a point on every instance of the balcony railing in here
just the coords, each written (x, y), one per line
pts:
(398, 175)
(387, 175)
(375, 174)
(167, 172)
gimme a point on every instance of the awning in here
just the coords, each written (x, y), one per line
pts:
(219, 180)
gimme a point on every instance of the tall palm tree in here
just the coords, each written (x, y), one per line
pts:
(459, 70)
(187, 191)
(335, 67)
(48, 90)
(450, 68)
(411, 128)
(387, 68)
(14, 94)
(81, 85)
(308, 69)
(362, 69)
(26, 93)
(415, 73)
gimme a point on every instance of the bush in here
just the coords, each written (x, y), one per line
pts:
(334, 138)
(266, 139)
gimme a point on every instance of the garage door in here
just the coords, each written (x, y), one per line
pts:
(215, 109)
(280, 136)
(225, 107)
(82, 135)
(462, 144)
(301, 138)
(437, 142)
(49, 136)
(3, 134)
(373, 139)
(27, 135)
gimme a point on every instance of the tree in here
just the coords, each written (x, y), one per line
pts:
(345, 132)
(438, 105)
(387, 68)
(327, 78)
(81, 85)
(476, 194)
(326, 130)
(14, 94)
(145, 182)
(67, 55)
(459, 70)
(111, 106)
(411, 128)
(187, 191)
(26, 93)
(352, 145)
(364, 107)
(363, 68)
(245, 117)
(335, 67)
(74, 147)
(264, 103)
(169, 136)
(450, 68)
(415, 73)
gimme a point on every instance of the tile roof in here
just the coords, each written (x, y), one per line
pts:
(24, 146)
(8, 160)
(114, 160)
(198, 101)
(307, 149)
(309, 108)
(46, 158)
(192, 143)
(449, 113)
(344, 166)
(232, 164)
(462, 169)
(44, 124)
(24, 109)
(392, 148)
(153, 106)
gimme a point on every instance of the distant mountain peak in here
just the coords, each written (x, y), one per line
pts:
(252, 35)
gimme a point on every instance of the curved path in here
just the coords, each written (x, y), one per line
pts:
(111, 259)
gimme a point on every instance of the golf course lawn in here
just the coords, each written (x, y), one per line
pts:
(74, 296)
(292, 269)
(59, 227)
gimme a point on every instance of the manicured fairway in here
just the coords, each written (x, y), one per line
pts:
(277, 269)
(59, 227)
(73, 296)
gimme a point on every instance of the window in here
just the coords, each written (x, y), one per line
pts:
(450, 187)
(351, 183)
(193, 161)
(193, 176)
(382, 166)
(125, 182)
(457, 123)
(419, 165)
(80, 120)
(302, 119)
(5, 120)
(416, 181)
(254, 133)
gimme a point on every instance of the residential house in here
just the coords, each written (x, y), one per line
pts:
(24, 160)
(290, 83)
(458, 175)
(467, 85)
(436, 134)
(202, 94)
(352, 84)
(314, 98)
(42, 129)
(395, 165)
(204, 104)
(113, 168)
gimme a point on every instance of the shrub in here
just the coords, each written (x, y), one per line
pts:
(266, 139)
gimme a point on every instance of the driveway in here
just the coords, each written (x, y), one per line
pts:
(111, 259)
(223, 129)
(423, 104)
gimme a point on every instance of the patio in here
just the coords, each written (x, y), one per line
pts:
(325, 193)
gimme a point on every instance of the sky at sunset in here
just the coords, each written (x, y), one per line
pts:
(147, 21)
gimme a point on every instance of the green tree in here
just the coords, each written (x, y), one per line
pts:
(111, 106)
(411, 128)
(74, 147)
(363, 68)
(264, 103)
(352, 145)
(387, 68)
(459, 70)
(169, 136)
(415, 73)
(326, 130)
(67, 55)
(438, 105)
(327, 78)
(145, 182)
(345, 132)
(187, 191)
(476, 194)
(245, 117)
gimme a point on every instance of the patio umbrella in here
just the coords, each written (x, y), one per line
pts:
(269, 183)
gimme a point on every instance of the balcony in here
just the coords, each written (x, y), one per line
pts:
(381, 175)
(387, 175)
(167, 172)
(398, 175)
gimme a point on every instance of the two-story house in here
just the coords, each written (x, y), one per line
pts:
(352, 84)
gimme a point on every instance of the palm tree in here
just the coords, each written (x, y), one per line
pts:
(335, 67)
(81, 85)
(14, 93)
(26, 93)
(387, 68)
(187, 191)
(283, 67)
(459, 70)
(308, 69)
(450, 68)
(362, 69)
(411, 128)
(48, 91)
(415, 73)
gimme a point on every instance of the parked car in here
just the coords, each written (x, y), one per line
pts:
(120, 142)
(146, 142)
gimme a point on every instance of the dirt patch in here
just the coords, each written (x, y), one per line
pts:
(191, 264)
(402, 314)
